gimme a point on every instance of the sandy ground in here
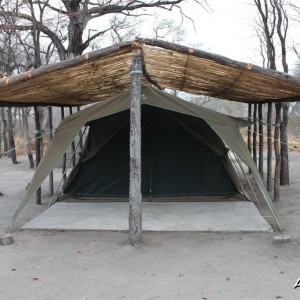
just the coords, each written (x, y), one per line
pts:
(101, 265)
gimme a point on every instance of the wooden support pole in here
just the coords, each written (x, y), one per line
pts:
(80, 135)
(270, 147)
(261, 140)
(255, 133)
(51, 185)
(135, 195)
(64, 161)
(277, 151)
(284, 170)
(73, 143)
(11, 140)
(249, 130)
(37, 149)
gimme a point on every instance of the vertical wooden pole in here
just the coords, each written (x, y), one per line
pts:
(277, 151)
(270, 147)
(11, 139)
(4, 120)
(261, 141)
(135, 195)
(73, 143)
(37, 149)
(255, 133)
(249, 130)
(284, 170)
(80, 135)
(0, 137)
(51, 185)
(64, 161)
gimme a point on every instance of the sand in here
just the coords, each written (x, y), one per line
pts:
(101, 265)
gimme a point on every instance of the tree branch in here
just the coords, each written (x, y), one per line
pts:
(61, 11)
(87, 42)
(130, 6)
(55, 39)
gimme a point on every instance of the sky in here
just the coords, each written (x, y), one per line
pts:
(228, 30)
(225, 28)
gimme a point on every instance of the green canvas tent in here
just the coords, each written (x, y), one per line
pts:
(181, 157)
(183, 152)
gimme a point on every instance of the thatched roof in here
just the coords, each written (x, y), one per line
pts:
(104, 73)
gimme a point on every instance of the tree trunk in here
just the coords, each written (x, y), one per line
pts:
(37, 149)
(50, 126)
(249, 130)
(284, 171)
(75, 28)
(270, 148)
(261, 141)
(27, 137)
(135, 196)
(277, 151)
(255, 133)
(11, 140)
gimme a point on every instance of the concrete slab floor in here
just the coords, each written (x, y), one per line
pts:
(237, 216)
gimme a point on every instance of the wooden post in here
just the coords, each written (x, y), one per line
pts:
(249, 130)
(255, 133)
(277, 151)
(64, 161)
(37, 149)
(0, 140)
(270, 147)
(261, 141)
(284, 170)
(51, 185)
(135, 195)
(73, 143)
(80, 135)
(11, 140)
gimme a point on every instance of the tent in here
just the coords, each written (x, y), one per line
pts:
(183, 151)
(182, 157)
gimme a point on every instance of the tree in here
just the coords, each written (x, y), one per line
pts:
(265, 28)
(282, 29)
(273, 19)
(167, 29)
(17, 55)
(8, 64)
(76, 17)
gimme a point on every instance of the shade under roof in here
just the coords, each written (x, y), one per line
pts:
(101, 74)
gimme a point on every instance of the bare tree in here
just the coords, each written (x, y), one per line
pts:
(8, 64)
(274, 26)
(282, 29)
(123, 28)
(75, 15)
(168, 29)
(265, 29)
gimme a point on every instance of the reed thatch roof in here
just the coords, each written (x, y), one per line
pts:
(104, 73)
